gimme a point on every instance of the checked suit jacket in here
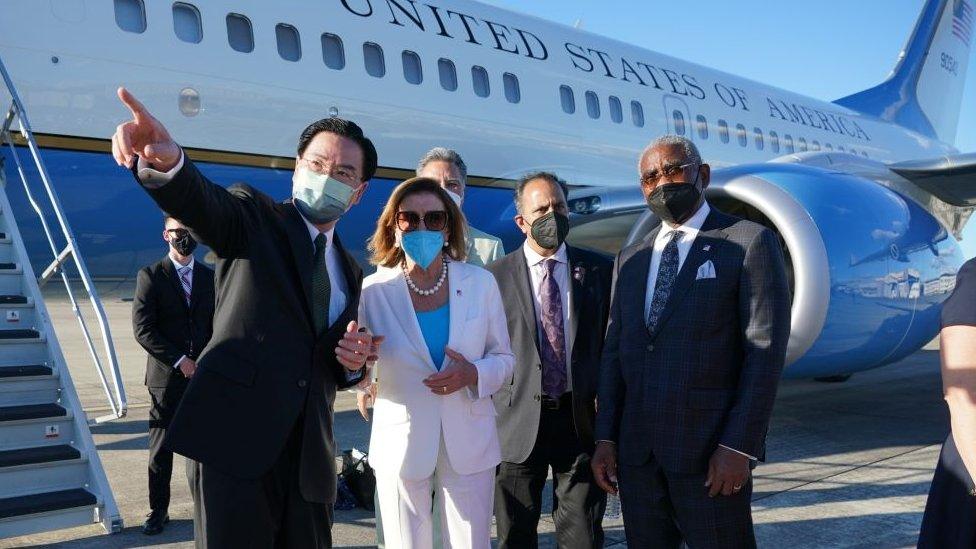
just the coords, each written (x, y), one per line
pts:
(265, 370)
(708, 373)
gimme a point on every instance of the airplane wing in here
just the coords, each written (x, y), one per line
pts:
(950, 178)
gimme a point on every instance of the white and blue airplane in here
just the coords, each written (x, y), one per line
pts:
(867, 192)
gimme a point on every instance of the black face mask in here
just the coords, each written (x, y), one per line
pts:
(550, 230)
(674, 202)
(182, 242)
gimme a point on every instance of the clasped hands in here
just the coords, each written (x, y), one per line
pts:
(357, 347)
(728, 471)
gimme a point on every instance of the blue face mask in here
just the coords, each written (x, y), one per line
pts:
(422, 246)
(320, 198)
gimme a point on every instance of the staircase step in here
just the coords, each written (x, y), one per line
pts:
(46, 502)
(13, 299)
(19, 334)
(31, 411)
(8, 266)
(38, 454)
(29, 370)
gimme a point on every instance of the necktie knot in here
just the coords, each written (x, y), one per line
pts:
(321, 241)
(550, 266)
(674, 236)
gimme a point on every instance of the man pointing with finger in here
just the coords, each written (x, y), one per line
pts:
(699, 322)
(257, 413)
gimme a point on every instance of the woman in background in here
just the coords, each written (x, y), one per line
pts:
(446, 351)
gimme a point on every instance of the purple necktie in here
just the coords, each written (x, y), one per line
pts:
(553, 345)
(185, 282)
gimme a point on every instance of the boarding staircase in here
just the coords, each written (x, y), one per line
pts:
(50, 473)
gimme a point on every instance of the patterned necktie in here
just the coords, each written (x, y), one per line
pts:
(666, 273)
(553, 346)
(185, 282)
(321, 285)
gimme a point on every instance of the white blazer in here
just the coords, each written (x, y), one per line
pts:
(407, 417)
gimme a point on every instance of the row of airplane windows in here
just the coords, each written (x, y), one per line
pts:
(759, 138)
(130, 16)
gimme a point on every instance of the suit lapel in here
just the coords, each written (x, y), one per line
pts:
(301, 251)
(353, 275)
(707, 237)
(174, 280)
(522, 283)
(199, 287)
(459, 300)
(401, 307)
(576, 296)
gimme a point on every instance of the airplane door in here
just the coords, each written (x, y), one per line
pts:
(677, 116)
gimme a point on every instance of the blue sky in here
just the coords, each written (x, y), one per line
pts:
(826, 49)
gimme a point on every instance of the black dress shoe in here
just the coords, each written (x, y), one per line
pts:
(154, 523)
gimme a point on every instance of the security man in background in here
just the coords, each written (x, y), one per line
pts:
(172, 316)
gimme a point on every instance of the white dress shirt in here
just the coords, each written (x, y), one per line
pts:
(689, 232)
(537, 271)
(339, 290)
(178, 266)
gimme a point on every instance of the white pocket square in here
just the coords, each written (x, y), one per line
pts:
(706, 270)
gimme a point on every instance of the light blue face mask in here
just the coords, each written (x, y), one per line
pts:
(320, 198)
(422, 246)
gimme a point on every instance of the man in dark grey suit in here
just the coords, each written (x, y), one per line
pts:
(699, 323)
(557, 299)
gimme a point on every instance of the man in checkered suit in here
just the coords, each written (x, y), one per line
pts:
(696, 341)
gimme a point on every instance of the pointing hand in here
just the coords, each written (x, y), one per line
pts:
(143, 136)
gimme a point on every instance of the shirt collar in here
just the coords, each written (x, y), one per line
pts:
(534, 258)
(314, 231)
(176, 264)
(691, 227)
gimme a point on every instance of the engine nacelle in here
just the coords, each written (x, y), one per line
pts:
(868, 267)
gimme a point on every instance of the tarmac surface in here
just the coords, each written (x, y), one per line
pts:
(849, 464)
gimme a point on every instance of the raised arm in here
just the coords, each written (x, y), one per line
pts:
(214, 215)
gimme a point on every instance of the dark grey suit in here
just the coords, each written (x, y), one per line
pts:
(534, 437)
(707, 375)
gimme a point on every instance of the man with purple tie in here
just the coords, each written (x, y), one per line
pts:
(556, 300)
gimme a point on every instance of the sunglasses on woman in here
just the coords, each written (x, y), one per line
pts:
(410, 221)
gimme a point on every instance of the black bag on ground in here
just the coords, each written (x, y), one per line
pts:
(359, 477)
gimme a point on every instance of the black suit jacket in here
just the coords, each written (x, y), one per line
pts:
(708, 373)
(265, 371)
(163, 323)
(518, 402)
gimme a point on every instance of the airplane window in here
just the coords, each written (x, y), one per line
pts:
(592, 105)
(186, 23)
(130, 15)
(637, 113)
(616, 111)
(815, 145)
(774, 141)
(479, 79)
(567, 99)
(828, 146)
(788, 143)
(740, 135)
(512, 92)
(289, 44)
(240, 35)
(332, 52)
(679, 122)
(723, 131)
(445, 67)
(413, 72)
(841, 148)
(758, 135)
(864, 153)
(702, 125)
(802, 144)
(373, 57)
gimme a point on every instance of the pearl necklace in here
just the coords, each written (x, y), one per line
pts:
(440, 281)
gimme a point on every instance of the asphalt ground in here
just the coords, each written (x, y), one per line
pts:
(849, 464)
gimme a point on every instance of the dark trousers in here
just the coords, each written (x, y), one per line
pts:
(662, 509)
(164, 401)
(265, 512)
(578, 503)
(950, 512)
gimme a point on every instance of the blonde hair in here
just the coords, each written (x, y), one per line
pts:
(382, 246)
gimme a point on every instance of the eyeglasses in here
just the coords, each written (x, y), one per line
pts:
(434, 221)
(344, 173)
(669, 173)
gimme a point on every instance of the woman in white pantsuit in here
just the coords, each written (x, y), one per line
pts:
(446, 351)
